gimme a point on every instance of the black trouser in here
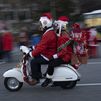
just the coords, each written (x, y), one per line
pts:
(36, 66)
(53, 63)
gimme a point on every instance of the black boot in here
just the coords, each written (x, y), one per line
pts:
(46, 82)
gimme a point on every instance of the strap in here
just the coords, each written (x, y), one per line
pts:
(51, 28)
(64, 45)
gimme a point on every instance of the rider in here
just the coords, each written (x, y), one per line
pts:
(63, 56)
(45, 49)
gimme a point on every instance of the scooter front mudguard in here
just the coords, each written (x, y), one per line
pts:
(16, 73)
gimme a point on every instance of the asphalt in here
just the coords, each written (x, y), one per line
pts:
(87, 89)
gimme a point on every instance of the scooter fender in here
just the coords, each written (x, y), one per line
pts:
(16, 73)
(65, 73)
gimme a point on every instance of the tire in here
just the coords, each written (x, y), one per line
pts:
(12, 84)
(68, 85)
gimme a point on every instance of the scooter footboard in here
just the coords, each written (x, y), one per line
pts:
(15, 72)
(63, 73)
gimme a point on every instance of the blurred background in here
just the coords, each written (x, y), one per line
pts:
(19, 22)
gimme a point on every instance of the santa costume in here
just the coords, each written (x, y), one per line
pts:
(63, 55)
(45, 49)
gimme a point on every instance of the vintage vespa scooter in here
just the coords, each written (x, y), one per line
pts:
(64, 76)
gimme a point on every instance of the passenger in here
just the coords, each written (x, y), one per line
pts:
(64, 52)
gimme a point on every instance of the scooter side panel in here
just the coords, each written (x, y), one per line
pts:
(64, 74)
(16, 73)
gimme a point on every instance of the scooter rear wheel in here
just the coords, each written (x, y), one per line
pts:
(68, 84)
(12, 84)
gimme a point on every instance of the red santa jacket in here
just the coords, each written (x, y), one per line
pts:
(65, 53)
(47, 45)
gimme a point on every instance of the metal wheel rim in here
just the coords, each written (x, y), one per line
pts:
(13, 83)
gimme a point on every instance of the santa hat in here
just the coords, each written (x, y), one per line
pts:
(46, 19)
(48, 15)
(63, 19)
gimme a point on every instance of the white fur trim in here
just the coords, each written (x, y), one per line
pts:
(60, 27)
(33, 47)
(62, 22)
(49, 30)
(49, 76)
(30, 53)
(55, 56)
(45, 57)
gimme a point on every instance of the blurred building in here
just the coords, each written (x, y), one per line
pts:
(89, 5)
(93, 19)
(22, 12)
(17, 12)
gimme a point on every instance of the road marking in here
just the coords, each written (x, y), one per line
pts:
(89, 84)
(90, 63)
(80, 85)
(2, 62)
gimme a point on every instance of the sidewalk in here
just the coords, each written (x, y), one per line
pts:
(94, 60)
(16, 55)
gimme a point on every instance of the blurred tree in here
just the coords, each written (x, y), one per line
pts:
(57, 7)
(64, 7)
(69, 8)
(61, 7)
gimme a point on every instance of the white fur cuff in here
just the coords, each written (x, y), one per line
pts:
(30, 53)
(55, 56)
(49, 76)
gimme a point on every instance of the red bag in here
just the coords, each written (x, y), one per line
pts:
(74, 59)
(83, 59)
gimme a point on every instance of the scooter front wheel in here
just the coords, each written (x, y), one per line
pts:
(12, 84)
(68, 84)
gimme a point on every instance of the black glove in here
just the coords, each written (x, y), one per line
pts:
(26, 56)
(52, 59)
(31, 48)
